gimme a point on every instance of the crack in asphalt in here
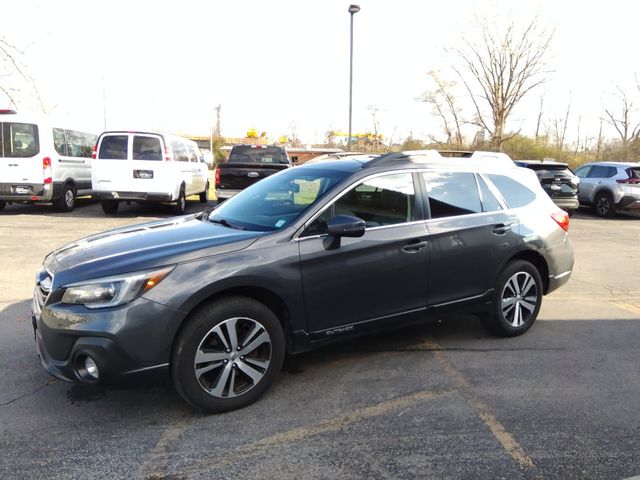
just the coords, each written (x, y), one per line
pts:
(32, 392)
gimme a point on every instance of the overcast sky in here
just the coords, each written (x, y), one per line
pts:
(283, 64)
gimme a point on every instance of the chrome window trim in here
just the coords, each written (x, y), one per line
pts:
(296, 236)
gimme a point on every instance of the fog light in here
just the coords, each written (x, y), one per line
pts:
(91, 368)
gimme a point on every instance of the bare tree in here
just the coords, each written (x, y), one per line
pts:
(14, 73)
(445, 106)
(559, 127)
(501, 69)
(627, 128)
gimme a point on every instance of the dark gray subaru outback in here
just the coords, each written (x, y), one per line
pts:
(307, 256)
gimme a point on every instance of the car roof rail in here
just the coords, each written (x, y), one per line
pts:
(444, 156)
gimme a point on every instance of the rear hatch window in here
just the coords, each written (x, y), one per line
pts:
(257, 155)
(19, 140)
(147, 148)
(114, 147)
(556, 179)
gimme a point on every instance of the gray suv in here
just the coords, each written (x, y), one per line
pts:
(308, 256)
(610, 187)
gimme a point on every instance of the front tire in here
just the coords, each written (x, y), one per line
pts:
(110, 206)
(227, 354)
(204, 196)
(67, 201)
(604, 205)
(517, 300)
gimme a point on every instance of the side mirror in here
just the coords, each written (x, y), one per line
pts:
(343, 226)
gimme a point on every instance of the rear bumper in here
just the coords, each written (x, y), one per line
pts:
(569, 203)
(135, 196)
(26, 192)
(629, 202)
(224, 193)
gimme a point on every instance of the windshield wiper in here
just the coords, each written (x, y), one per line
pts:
(226, 223)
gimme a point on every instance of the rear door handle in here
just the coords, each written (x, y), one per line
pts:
(414, 247)
(501, 228)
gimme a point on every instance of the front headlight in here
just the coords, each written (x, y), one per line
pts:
(113, 291)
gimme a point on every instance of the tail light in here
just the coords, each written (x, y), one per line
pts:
(46, 170)
(94, 155)
(167, 157)
(629, 181)
(562, 219)
(218, 176)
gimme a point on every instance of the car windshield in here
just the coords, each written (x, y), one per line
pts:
(274, 202)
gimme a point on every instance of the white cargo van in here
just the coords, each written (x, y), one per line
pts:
(41, 161)
(147, 167)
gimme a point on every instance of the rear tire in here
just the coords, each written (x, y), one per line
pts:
(517, 300)
(2, 204)
(110, 206)
(204, 196)
(181, 203)
(604, 205)
(67, 201)
(227, 354)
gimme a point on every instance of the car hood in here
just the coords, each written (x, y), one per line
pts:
(144, 246)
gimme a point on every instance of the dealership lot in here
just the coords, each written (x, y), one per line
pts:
(443, 400)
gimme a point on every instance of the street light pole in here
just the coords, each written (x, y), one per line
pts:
(352, 9)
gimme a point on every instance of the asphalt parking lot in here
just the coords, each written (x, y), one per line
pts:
(444, 400)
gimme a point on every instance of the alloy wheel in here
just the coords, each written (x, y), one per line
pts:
(603, 206)
(232, 357)
(519, 299)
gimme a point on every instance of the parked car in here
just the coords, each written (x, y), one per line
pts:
(43, 161)
(610, 187)
(308, 256)
(246, 165)
(147, 167)
(558, 180)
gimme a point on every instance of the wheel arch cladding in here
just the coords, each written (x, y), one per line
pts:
(537, 261)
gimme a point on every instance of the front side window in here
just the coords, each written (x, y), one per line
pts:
(147, 147)
(193, 156)
(276, 201)
(582, 172)
(114, 147)
(20, 140)
(380, 201)
(452, 193)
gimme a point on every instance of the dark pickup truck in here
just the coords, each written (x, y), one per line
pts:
(246, 165)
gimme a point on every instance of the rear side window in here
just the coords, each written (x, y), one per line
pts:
(71, 143)
(19, 140)
(179, 151)
(258, 155)
(452, 193)
(146, 148)
(516, 194)
(114, 147)
(634, 173)
(600, 171)
(193, 156)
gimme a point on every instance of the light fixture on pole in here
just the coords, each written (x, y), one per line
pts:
(352, 9)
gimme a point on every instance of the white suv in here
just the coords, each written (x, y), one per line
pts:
(610, 186)
(147, 167)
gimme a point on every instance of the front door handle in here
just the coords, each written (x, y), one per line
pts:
(501, 228)
(414, 247)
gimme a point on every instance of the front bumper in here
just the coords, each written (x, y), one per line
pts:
(134, 339)
(135, 196)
